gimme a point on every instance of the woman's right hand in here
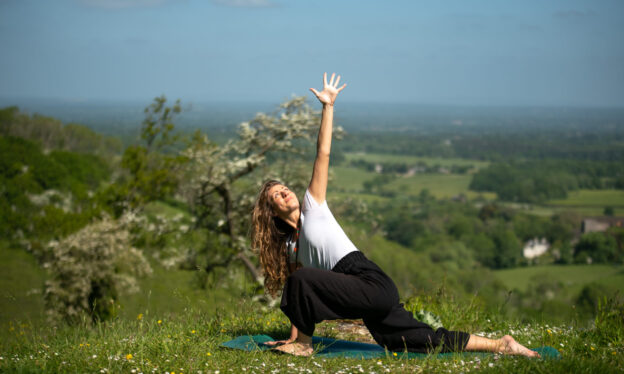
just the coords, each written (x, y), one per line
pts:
(330, 90)
(280, 342)
(293, 336)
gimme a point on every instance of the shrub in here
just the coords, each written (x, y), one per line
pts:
(89, 269)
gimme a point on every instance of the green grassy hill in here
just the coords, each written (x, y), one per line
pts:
(573, 277)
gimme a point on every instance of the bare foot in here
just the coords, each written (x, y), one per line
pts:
(296, 348)
(510, 346)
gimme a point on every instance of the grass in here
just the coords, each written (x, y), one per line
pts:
(189, 343)
(22, 285)
(591, 202)
(572, 276)
(441, 186)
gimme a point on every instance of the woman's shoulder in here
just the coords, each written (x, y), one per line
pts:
(310, 203)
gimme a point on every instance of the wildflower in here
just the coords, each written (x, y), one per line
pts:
(613, 353)
(592, 348)
(394, 354)
(140, 316)
(192, 331)
(208, 354)
(129, 356)
(81, 345)
(159, 321)
(549, 331)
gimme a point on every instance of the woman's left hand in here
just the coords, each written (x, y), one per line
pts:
(330, 90)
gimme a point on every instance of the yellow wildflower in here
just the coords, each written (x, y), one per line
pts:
(129, 356)
(394, 354)
(208, 354)
(592, 348)
(140, 316)
(613, 353)
(159, 321)
(549, 331)
(192, 331)
(82, 345)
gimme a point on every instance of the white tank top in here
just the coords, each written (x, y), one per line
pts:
(322, 242)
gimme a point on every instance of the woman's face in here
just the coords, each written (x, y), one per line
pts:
(283, 200)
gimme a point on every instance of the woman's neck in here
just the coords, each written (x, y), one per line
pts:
(293, 218)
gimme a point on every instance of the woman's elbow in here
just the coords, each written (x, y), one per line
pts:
(323, 152)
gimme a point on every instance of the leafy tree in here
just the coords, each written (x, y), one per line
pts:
(596, 247)
(609, 211)
(153, 167)
(221, 181)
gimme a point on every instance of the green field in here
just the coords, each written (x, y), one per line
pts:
(413, 160)
(572, 276)
(350, 180)
(439, 185)
(592, 199)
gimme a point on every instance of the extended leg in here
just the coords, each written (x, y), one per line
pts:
(400, 331)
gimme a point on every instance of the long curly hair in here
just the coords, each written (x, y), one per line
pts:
(268, 236)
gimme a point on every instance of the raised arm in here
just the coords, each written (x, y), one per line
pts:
(327, 97)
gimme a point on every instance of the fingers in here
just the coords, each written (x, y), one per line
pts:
(275, 342)
(337, 81)
(341, 88)
(331, 81)
(324, 79)
(315, 92)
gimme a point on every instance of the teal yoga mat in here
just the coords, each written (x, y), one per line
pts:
(326, 347)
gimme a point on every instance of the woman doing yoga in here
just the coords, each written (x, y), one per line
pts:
(324, 275)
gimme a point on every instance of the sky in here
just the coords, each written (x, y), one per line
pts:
(441, 52)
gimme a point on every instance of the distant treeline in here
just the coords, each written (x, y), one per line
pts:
(479, 144)
(539, 181)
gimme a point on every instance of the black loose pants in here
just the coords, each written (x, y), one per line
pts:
(357, 288)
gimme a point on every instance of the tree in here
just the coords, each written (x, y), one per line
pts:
(596, 247)
(221, 181)
(154, 166)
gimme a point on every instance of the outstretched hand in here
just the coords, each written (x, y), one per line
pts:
(330, 90)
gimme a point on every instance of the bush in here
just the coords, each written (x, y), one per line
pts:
(89, 269)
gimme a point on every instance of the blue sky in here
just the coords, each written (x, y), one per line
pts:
(468, 52)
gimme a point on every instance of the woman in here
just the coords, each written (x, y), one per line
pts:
(303, 248)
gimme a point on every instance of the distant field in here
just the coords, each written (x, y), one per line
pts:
(387, 158)
(350, 180)
(573, 276)
(549, 210)
(592, 198)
